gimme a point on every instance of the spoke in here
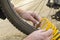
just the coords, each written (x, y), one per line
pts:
(38, 5)
(27, 3)
(33, 5)
(42, 7)
(49, 12)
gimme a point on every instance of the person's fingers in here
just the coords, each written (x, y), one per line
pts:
(35, 15)
(38, 18)
(48, 33)
(33, 20)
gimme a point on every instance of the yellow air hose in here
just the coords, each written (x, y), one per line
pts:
(46, 24)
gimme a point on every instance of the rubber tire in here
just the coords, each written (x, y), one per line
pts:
(15, 19)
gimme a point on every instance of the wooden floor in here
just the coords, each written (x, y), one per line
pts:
(9, 32)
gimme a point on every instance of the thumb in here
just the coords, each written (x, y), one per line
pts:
(48, 33)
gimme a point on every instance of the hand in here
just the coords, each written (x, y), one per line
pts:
(28, 15)
(31, 16)
(40, 35)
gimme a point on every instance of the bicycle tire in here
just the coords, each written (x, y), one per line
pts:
(13, 17)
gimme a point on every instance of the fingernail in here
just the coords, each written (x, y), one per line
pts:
(37, 23)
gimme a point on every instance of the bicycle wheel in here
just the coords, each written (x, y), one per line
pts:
(14, 18)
